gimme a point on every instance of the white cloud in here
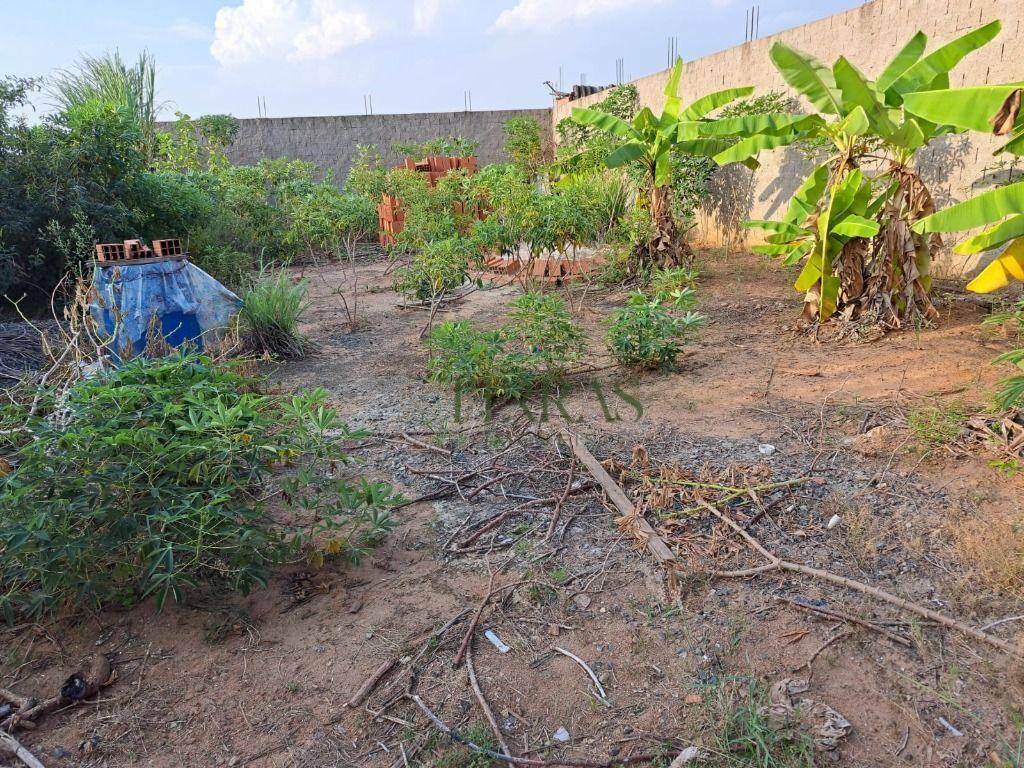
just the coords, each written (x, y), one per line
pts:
(543, 14)
(426, 12)
(275, 29)
(335, 27)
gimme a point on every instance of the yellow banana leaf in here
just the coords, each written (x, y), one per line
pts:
(1008, 265)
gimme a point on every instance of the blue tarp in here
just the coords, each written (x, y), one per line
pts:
(190, 307)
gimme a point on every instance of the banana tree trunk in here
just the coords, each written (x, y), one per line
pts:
(667, 246)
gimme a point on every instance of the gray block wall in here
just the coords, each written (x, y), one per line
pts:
(954, 167)
(331, 142)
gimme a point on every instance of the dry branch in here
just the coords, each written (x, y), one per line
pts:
(586, 668)
(833, 613)
(482, 701)
(11, 746)
(778, 564)
(371, 682)
(81, 685)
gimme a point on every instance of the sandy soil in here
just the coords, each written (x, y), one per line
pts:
(263, 680)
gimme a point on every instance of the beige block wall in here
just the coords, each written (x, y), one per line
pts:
(869, 36)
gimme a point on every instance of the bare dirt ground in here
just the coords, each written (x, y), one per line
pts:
(263, 680)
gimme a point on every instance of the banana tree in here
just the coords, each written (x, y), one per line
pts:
(992, 109)
(884, 276)
(650, 140)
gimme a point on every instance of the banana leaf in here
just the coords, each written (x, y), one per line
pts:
(970, 108)
(672, 102)
(809, 77)
(903, 60)
(1001, 233)
(858, 92)
(707, 104)
(986, 208)
(627, 153)
(605, 122)
(937, 64)
(856, 226)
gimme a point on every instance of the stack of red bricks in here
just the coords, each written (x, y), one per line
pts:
(550, 269)
(391, 217)
(136, 249)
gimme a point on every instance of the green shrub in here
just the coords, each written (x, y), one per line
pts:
(441, 266)
(544, 328)
(230, 267)
(534, 350)
(166, 475)
(270, 314)
(471, 360)
(645, 334)
(368, 175)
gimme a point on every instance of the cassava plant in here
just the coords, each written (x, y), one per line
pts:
(334, 223)
(862, 257)
(648, 333)
(171, 475)
(655, 142)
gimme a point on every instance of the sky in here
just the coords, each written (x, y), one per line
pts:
(323, 57)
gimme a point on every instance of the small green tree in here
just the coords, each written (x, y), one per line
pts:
(334, 223)
(523, 145)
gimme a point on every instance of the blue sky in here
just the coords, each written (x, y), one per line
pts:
(320, 57)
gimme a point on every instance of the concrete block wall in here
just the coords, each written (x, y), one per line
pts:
(331, 142)
(870, 35)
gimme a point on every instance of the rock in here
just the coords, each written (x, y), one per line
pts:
(874, 442)
(833, 522)
(582, 601)
(685, 757)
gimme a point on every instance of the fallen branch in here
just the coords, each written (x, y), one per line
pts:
(832, 613)
(11, 746)
(471, 671)
(557, 513)
(371, 682)
(21, 702)
(597, 683)
(468, 638)
(538, 763)
(630, 520)
(778, 564)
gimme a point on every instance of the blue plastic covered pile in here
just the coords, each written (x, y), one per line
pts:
(174, 298)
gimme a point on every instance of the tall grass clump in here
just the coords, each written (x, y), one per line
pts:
(270, 314)
(108, 79)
